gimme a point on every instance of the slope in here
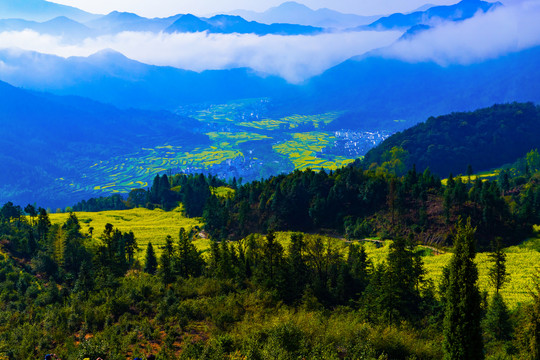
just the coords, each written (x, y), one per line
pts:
(46, 137)
(484, 139)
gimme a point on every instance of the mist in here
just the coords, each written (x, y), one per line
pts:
(295, 58)
(486, 36)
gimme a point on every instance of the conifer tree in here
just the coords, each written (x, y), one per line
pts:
(165, 262)
(498, 275)
(189, 261)
(150, 265)
(461, 327)
(497, 322)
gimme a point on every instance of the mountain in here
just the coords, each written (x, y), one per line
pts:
(70, 30)
(116, 22)
(45, 137)
(112, 78)
(40, 10)
(294, 13)
(388, 93)
(375, 92)
(227, 24)
(463, 10)
(484, 139)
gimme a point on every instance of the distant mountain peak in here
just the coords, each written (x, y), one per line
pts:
(293, 5)
(121, 15)
(109, 55)
(292, 12)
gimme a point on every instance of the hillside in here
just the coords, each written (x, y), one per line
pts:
(286, 292)
(228, 24)
(465, 9)
(110, 77)
(378, 90)
(484, 139)
(47, 138)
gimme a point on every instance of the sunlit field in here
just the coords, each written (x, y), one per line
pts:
(154, 225)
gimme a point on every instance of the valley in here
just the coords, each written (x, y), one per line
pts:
(243, 143)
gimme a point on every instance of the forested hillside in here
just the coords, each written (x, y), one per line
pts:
(485, 139)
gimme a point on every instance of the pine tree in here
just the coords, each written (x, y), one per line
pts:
(165, 262)
(497, 322)
(189, 261)
(150, 265)
(498, 275)
(85, 281)
(461, 326)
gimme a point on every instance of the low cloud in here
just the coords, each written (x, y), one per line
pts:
(507, 29)
(294, 58)
(486, 36)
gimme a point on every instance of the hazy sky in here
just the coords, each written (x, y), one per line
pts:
(152, 8)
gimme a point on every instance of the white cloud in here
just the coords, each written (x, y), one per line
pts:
(293, 57)
(504, 30)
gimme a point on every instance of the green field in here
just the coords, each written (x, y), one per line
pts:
(147, 225)
(236, 133)
(154, 226)
(305, 151)
(292, 122)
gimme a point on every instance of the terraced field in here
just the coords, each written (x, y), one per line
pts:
(293, 122)
(242, 142)
(305, 150)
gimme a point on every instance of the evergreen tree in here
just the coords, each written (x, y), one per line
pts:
(399, 296)
(271, 261)
(85, 281)
(131, 246)
(461, 326)
(498, 275)
(497, 322)
(43, 224)
(165, 262)
(298, 267)
(189, 261)
(150, 264)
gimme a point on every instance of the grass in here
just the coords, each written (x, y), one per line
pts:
(521, 262)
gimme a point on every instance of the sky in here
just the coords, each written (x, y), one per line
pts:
(163, 8)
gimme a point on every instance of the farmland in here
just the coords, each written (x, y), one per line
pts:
(148, 225)
(154, 225)
(243, 141)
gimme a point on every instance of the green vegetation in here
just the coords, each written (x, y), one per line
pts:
(242, 270)
(484, 139)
